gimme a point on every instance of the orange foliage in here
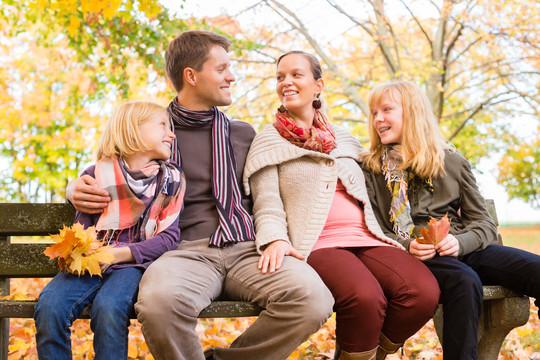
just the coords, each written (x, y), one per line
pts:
(78, 250)
(435, 232)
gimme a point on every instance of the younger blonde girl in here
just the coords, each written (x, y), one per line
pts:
(141, 222)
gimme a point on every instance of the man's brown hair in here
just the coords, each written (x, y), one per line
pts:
(190, 49)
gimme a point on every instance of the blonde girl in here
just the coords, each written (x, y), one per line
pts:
(141, 222)
(414, 175)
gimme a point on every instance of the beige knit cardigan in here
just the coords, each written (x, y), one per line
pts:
(293, 188)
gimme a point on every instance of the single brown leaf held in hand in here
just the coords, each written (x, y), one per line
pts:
(435, 232)
(78, 250)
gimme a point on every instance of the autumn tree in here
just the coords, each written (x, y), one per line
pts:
(473, 58)
(519, 171)
(65, 65)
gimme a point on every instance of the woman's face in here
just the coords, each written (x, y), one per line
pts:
(388, 120)
(296, 87)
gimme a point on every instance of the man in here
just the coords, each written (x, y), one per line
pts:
(217, 256)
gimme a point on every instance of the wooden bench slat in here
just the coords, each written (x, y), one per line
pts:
(34, 219)
(221, 309)
(26, 260)
(25, 309)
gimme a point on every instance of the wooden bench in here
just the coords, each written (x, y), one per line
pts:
(503, 310)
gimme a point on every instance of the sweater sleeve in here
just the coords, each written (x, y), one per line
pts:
(152, 248)
(478, 230)
(268, 210)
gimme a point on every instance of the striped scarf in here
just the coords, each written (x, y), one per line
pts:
(397, 181)
(235, 223)
(134, 202)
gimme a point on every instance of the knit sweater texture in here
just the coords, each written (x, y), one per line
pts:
(293, 188)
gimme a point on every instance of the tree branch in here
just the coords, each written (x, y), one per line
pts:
(478, 108)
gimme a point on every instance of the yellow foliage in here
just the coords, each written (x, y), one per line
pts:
(74, 24)
(17, 296)
(79, 251)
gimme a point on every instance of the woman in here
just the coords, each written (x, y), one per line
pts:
(310, 200)
(414, 175)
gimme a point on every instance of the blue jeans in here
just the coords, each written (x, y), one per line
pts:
(461, 288)
(64, 298)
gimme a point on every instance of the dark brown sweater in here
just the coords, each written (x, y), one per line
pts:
(199, 218)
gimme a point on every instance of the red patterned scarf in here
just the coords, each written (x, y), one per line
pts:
(134, 202)
(320, 137)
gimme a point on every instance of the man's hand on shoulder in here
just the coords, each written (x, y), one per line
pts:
(85, 195)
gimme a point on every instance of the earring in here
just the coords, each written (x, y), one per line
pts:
(317, 103)
(282, 109)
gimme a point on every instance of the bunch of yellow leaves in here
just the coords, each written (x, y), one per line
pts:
(78, 250)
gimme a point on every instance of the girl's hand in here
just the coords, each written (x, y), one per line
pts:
(104, 267)
(122, 254)
(449, 246)
(422, 252)
(272, 256)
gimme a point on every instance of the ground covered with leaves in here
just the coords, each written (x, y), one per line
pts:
(522, 343)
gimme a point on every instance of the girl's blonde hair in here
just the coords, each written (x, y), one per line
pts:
(121, 136)
(422, 143)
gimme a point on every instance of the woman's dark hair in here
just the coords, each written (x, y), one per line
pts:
(316, 69)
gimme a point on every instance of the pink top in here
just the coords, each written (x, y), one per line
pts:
(346, 226)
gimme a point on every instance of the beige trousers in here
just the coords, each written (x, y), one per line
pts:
(182, 282)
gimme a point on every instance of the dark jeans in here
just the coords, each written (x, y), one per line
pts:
(64, 298)
(461, 286)
(376, 289)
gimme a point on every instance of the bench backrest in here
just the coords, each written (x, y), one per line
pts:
(27, 260)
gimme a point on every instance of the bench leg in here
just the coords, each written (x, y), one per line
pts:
(499, 317)
(4, 338)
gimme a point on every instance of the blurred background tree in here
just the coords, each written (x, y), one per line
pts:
(66, 64)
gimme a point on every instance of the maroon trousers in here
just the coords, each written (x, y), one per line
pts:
(376, 289)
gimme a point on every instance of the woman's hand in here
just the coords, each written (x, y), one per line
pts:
(449, 246)
(272, 257)
(422, 252)
(86, 196)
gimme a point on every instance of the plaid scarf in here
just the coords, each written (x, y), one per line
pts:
(397, 181)
(134, 202)
(320, 137)
(235, 223)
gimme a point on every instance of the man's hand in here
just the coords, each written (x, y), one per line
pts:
(422, 252)
(86, 196)
(449, 246)
(272, 257)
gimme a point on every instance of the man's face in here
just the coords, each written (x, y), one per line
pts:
(213, 81)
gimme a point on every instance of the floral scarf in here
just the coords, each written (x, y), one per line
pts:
(320, 137)
(134, 202)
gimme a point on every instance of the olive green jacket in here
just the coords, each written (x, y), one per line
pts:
(455, 192)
